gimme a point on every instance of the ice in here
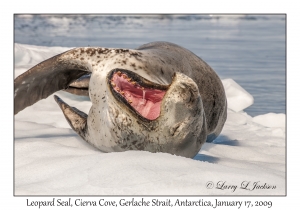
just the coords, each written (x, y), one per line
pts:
(237, 98)
(270, 120)
(51, 159)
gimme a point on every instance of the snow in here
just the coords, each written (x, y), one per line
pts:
(271, 120)
(51, 159)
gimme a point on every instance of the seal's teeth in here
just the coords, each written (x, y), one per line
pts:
(117, 89)
(129, 79)
(130, 101)
(113, 84)
(134, 83)
(124, 76)
(122, 92)
(119, 73)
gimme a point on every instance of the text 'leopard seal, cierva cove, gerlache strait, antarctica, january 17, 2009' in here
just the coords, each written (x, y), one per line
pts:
(159, 97)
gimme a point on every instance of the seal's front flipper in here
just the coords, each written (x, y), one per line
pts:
(80, 86)
(47, 77)
(78, 91)
(76, 118)
(82, 82)
(51, 75)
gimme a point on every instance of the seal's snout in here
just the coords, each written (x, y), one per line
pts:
(183, 118)
(185, 89)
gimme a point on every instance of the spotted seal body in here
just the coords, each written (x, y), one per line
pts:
(159, 97)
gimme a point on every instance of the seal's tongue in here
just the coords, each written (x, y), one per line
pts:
(146, 101)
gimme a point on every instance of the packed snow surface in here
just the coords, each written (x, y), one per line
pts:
(248, 158)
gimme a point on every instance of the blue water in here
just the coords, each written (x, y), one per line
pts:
(250, 49)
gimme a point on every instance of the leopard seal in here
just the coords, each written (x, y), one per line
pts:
(159, 97)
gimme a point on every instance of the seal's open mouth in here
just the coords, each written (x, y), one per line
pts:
(140, 95)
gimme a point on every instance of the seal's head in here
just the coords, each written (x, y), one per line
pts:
(144, 115)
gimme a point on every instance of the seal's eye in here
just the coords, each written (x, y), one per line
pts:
(144, 100)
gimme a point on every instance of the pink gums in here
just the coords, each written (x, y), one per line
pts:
(145, 101)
